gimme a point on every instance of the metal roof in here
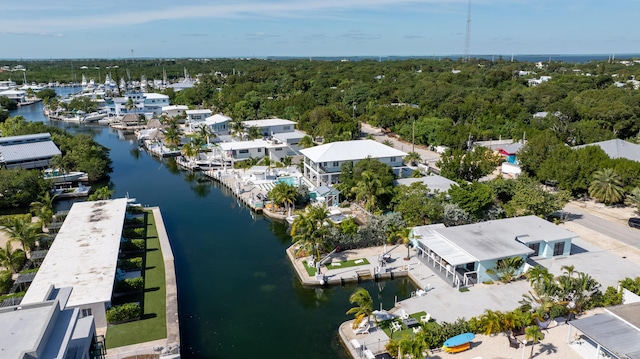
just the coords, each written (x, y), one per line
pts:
(350, 151)
(28, 151)
(612, 333)
(25, 138)
(433, 182)
(445, 248)
(217, 118)
(268, 122)
(84, 254)
(618, 148)
(629, 312)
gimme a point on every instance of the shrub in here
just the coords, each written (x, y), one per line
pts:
(129, 285)
(133, 245)
(5, 281)
(132, 263)
(123, 312)
(7, 220)
(133, 232)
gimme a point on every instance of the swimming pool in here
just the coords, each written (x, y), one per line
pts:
(291, 181)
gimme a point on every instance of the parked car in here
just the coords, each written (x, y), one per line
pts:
(634, 222)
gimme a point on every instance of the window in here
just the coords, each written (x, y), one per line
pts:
(336, 164)
(243, 151)
(86, 312)
(536, 249)
(259, 149)
(279, 149)
(558, 248)
(392, 159)
(286, 128)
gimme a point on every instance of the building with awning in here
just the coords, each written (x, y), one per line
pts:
(465, 253)
(612, 334)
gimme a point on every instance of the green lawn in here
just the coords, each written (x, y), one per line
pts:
(311, 271)
(386, 326)
(153, 324)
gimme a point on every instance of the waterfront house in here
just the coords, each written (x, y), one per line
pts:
(322, 163)
(218, 124)
(18, 96)
(84, 256)
(154, 103)
(269, 127)
(27, 151)
(465, 253)
(49, 328)
(617, 148)
(137, 103)
(174, 110)
(612, 334)
(272, 148)
(196, 117)
(327, 195)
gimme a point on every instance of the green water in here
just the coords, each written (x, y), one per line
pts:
(238, 295)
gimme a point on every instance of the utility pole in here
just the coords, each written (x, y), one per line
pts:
(413, 139)
(467, 39)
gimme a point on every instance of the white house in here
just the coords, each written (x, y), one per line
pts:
(465, 252)
(174, 110)
(271, 126)
(49, 328)
(217, 123)
(15, 95)
(154, 102)
(322, 163)
(196, 116)
(84, 256)
(243, 150)
(137, 103)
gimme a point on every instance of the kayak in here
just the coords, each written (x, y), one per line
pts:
(459, 340)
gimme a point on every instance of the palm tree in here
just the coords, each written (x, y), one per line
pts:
(284, 194)
(253, 133)
(538, 276)
(309, 232)
(102, 193)
(364, 305)
(172, 136)
(11, 259)
(205, 133)
(633, 199)
(368, 189)
(24, 232)
(189, 150)
(606, 186)
(412, 157)
(306, 142)
(534, 334)
(491, 322)
(236, 128)
(43, 209)
(402, 236)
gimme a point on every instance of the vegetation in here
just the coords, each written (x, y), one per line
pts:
(122, 313)
(129, 285)
(21, 187)
(102, 193)
(506, 268)
(133, 245)
(79, 152)
(364, 305)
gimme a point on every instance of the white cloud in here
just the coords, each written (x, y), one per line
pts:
(80, 15)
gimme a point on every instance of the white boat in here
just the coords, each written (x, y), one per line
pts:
(59, 176)
(291, 218)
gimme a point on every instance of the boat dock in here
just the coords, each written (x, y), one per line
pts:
(245, 193)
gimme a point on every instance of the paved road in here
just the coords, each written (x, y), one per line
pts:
(427, 156)
(614, 228)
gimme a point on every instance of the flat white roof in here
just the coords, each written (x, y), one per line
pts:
(175, 107)
(84, 254)
(350, 151)
(433, 182)
(153, 95)
(194, 112)
(268, 122)
(243, 145)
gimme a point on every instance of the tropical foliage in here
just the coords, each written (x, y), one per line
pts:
(364, 305)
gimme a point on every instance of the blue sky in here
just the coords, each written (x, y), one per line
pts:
(258, 28)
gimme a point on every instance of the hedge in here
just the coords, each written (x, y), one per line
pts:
(129, 285)
(123, 312)
(132, 263)
(133, 245)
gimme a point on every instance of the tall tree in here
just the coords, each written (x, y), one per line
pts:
(369, 189)
(606, 186)
(43, 208)
(102, 193)
(11, 259)
(533, 334)
(24, 232)
(364, 305)
(633, 199)
(309, 232)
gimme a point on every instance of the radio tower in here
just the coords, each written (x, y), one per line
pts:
(467, 38)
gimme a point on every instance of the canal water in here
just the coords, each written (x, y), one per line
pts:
(238, 295)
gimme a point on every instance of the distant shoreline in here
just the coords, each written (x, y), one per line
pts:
(577, 58)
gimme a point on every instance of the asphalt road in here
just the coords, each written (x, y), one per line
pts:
(613, 228)
(426, 155)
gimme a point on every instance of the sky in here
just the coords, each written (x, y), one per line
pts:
(314, 28)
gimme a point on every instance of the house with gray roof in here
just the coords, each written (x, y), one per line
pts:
(612, 334)
(618, 148)
(434, 183)
(27, 151)
(465, 253)
(322, 163)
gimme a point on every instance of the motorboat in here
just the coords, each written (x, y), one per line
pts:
(60, 176)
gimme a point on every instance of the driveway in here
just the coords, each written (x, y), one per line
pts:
(430, 157)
